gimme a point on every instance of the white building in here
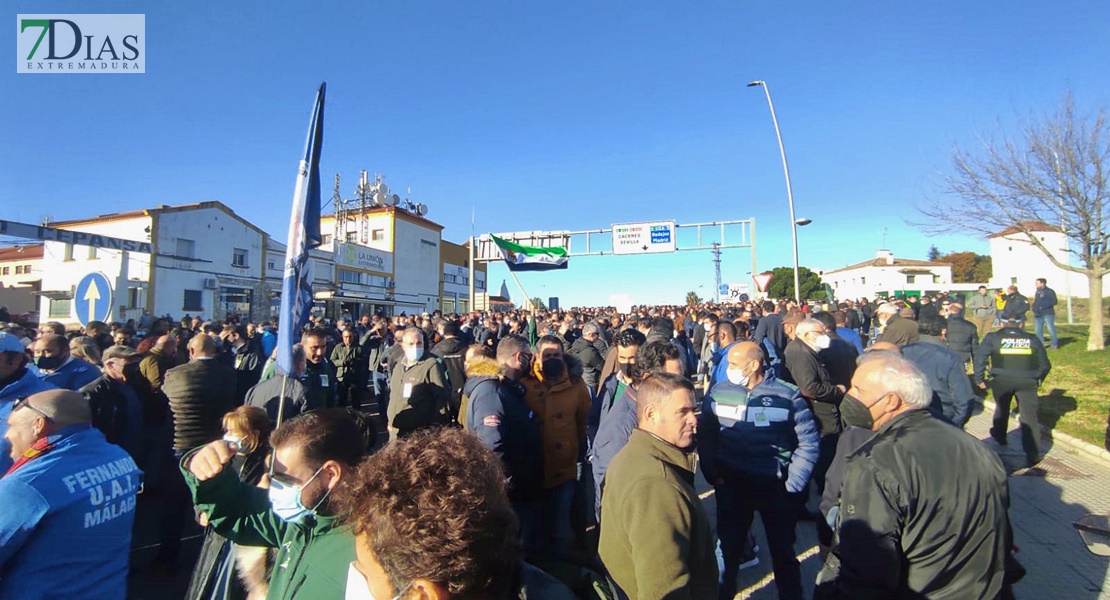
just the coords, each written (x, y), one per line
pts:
(1016, 261)
(885, 276)
(205, 261)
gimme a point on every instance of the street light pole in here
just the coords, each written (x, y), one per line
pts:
(789, 191)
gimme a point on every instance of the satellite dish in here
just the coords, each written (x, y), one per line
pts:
(421, 209)
(394, 200)
(383, 188)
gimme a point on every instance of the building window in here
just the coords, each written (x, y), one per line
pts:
(911, 278)
(133, 296)
(68, 252)
(377, 235)
(1013, 281)
(863, 280)
(352, 237)
(60, 307)
(19, 269)
(448, 278)
(239, 257)
(326, 240)
(346, 276)
(936, 278)
(5, 271)
(427, 243)
(192, 300)
(186, 248)
(270, 264)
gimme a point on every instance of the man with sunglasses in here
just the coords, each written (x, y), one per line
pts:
(314, 454)
(68, 491)
(15, 381)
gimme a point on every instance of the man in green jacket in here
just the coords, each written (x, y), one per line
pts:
(419, 393)
(314, 454)
(656, 541)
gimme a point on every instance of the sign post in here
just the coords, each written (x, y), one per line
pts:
(92, 300)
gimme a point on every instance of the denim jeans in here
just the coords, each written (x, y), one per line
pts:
(1040, 323)
(557, 505)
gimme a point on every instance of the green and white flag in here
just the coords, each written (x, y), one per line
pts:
(529, 258)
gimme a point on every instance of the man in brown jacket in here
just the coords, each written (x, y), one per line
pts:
(656, 540)
(560, 400)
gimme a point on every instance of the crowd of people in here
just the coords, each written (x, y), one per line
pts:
(538, 454)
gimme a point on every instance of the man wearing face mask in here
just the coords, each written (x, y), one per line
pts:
(656, 540)
(616, 378)
(758, 443)
(817, 387)
(722, 339)
(116, 409)
(557, 394)
(314, 455)
(58, 368)
(16, 381)
(901, 496)
(419, 393)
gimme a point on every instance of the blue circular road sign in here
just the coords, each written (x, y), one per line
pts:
(92, 300)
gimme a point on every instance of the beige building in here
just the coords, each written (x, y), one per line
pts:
(20, 277)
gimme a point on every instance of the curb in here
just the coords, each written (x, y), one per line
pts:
(1086, 449)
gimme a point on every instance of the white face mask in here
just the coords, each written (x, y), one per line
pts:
(359, 589)
(822, 341)
(413, 354)
(737, 377)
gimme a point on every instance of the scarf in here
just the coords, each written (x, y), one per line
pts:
(37, 449)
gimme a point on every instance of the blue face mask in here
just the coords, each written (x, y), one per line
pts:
(285, 500)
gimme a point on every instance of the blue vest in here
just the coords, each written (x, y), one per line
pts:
(65, 531)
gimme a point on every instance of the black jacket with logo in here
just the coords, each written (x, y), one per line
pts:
(1012, 353)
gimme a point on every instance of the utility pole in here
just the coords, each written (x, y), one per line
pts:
(717, 268)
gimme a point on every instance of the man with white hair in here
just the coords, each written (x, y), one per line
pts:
(908, 523)
(419, 393)
(896, 328)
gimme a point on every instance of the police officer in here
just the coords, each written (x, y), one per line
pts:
(758, 445)
(1018, 364)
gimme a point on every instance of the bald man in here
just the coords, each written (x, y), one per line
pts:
(68, 491)
(758, 443)
(200, 392)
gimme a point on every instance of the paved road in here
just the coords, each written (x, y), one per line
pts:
(1044, 503)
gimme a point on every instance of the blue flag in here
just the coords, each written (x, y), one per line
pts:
(304, 235)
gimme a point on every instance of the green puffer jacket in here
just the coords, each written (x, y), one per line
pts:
(313, 557)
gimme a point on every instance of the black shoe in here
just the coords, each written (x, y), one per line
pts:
(1001, 439)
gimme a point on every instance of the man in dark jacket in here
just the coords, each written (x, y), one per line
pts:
(817, 386)
(901, 495)
(452, 350)
(268, 393)
(374, 344)
(1016, 306)
(200, 393)
(419, 395)
(499, 416)
(1018, 365)
(962, 336)
(944, 370)
(585, 350)
(116, 409)
(897, 329)
(1044, 311)
(770, 328)
(319, 375)
(244, 359)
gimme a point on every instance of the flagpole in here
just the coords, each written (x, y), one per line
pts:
(280, 415)
(527, 298)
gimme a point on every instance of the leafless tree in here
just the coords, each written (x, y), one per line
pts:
(1055, 171)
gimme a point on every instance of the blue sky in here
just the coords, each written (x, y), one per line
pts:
(556, 115)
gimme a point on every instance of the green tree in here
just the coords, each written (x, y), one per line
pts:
(692, 299)
(537, 304)
(968, 267)
(1055, 170)
(782, 284)
(934, 254)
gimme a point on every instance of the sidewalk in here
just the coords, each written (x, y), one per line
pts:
(1044, 503)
